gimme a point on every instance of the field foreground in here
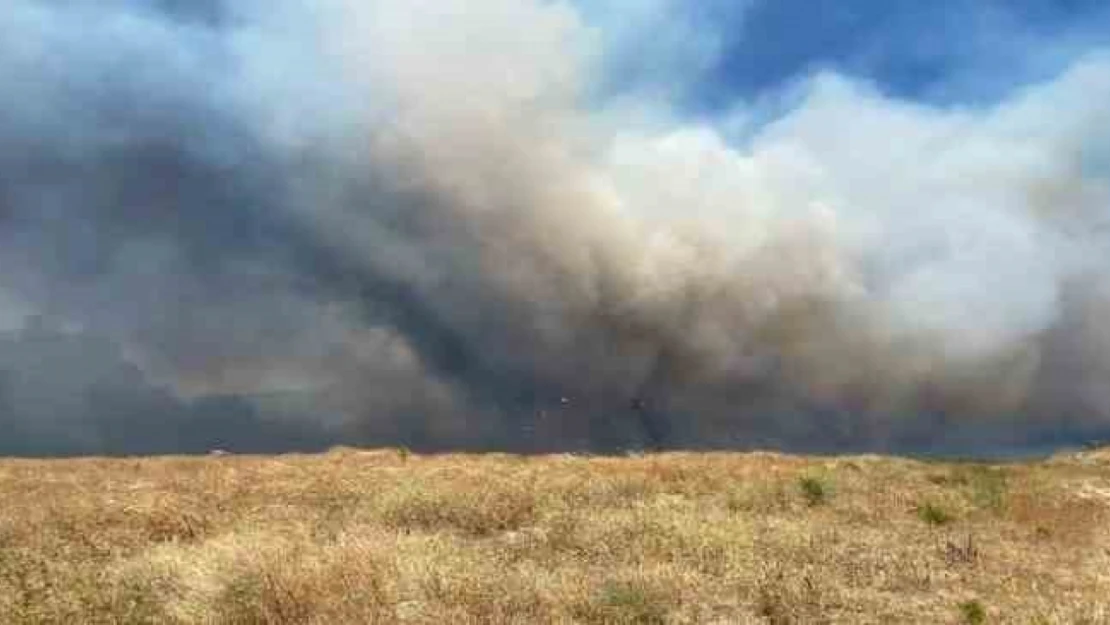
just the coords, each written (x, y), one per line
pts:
(387, 536)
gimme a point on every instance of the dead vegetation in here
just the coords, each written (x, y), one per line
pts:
(388, 536)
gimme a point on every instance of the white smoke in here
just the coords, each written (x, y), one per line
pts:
(496, 237)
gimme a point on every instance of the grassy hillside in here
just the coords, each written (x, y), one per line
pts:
(352, 537)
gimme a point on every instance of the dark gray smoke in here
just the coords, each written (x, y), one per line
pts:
(285, 225)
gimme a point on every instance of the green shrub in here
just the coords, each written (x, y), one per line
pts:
(973, 612)
(933, 514)
(815, 490)
(628, 601)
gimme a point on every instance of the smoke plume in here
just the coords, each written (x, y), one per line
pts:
(457, 225)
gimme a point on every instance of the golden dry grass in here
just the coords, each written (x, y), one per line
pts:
(365, 537)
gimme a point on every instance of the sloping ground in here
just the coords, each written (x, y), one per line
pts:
(352, 537)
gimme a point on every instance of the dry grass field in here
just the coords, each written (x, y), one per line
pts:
(387, 536)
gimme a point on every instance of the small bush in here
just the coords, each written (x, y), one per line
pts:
(984, 486)
(934, 514)
(973, 612)
(988, 489)
(815, 490)
(631, 602)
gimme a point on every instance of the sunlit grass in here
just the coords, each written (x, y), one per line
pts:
(395, 537)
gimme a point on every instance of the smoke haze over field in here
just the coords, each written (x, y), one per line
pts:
(504, 225)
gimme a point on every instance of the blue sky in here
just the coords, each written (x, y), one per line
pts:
(943, 51)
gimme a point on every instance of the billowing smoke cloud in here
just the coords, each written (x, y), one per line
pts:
(288, 224)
